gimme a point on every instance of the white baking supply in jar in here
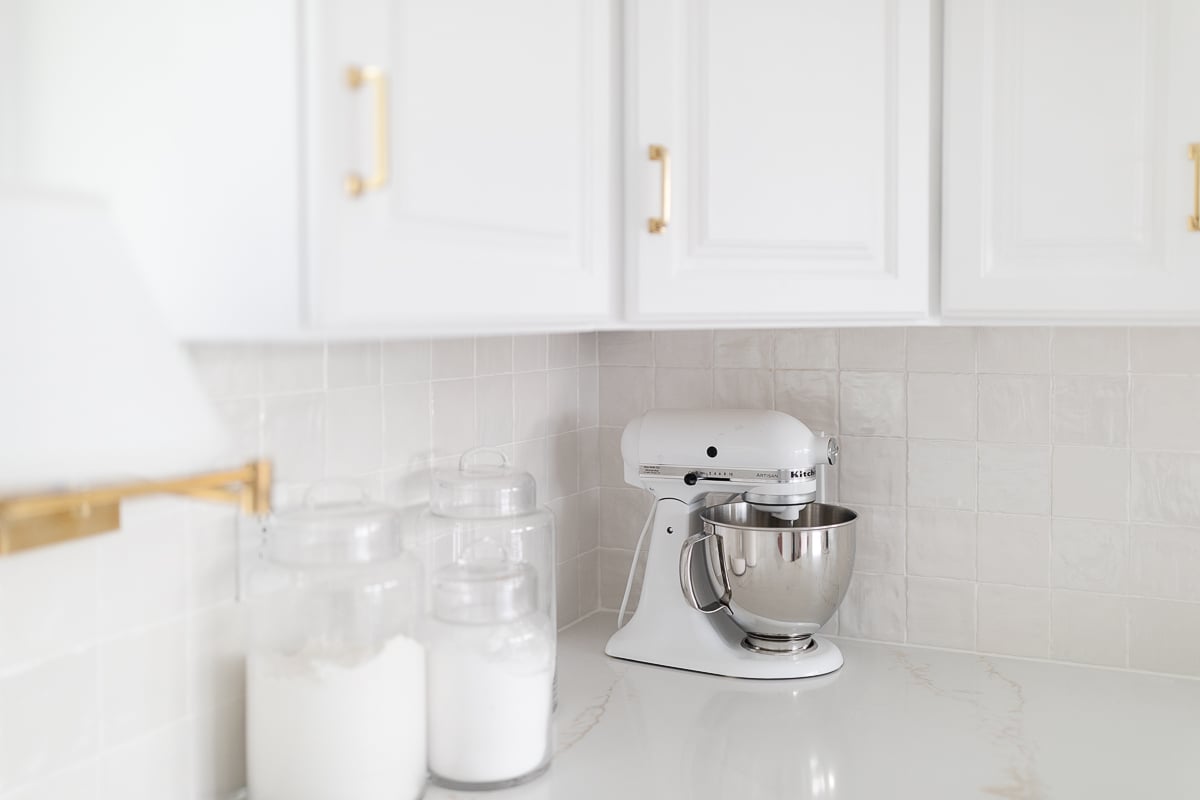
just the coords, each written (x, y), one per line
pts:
(336, 728)
(490, 690)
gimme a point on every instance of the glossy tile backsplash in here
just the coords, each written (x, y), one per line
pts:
(1023, 491)
(121, 656)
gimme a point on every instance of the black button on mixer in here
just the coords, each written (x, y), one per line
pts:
(691, 478)
(712, 451)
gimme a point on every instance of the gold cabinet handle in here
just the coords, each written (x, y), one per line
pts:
(356, 78)
(1194, 219)
(660, 153)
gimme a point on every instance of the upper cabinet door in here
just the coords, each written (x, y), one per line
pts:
(1068, 182)
(797, 164)
(482, 133)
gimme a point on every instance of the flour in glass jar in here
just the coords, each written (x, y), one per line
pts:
(337, 728)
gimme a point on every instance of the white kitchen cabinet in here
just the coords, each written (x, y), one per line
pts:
(1068, 184)
(800, 159)
(491, 126)
(182, 116)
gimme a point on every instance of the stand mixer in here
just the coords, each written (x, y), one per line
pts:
(772, 567)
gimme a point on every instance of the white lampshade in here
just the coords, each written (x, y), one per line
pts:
(93, 388)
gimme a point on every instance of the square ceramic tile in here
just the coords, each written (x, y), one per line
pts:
(588, 349)
(941, 349)
(1088, 628)
(153, 767)
(1014, 549)
(589, 396)
(562, 466)
(614, 573)
(589, 582)
(143, 682)
(453, 409)
(453, 358)
(623, 513)
(531, 401)
(292, 368)
(871, 471)
(941, 613)
(530, 352)
(612, 467)
(350, 364)
(493, 355)
(809, 396)
(1014, 409)
(874, 608)
(1014, 350)
(1091, 351)
(880, 539)
(625, 393)
(1013, 620)
(562, 387)
(872, 403)
(683, 388)
(56, 592)
(1091, 482)
(51, 717)
(567, 589)
(941, 543)
(1014, 478)
(1165, 562)
(407, 361)
(294, 436)
(1174, 350)
(683, 349)
(942, 474)
(494, 409)
(353, 431)
(871, 348)
(1155, 642)
(589, 458)
(407, 434)
(563, 350)
(806, 348)
(743, 388)
(143, 570)
(1089, 555)
(626, 348)
(743, 349)
(942, 406)
(1165, 487)
(1091, 410)
(1163, 412)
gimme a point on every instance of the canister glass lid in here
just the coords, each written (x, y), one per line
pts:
(484, 485)
(483, 591)
(329, 530)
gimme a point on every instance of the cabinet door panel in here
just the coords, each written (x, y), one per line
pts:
(1067, 183)
(497, 209)
(800, 158)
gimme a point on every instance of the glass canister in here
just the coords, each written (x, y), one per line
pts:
(492, 634)
(491, 673)
(335, 676)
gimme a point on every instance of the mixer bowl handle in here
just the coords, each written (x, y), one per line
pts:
(685, 575)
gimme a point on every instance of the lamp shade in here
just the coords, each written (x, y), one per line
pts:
(93, 388)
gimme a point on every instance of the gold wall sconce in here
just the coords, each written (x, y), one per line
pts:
(38, 520)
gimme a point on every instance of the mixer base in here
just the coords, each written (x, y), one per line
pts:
(781, 645)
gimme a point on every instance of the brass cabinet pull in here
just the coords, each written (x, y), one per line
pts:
(660, 153)
(1194, 219)
(356, 78)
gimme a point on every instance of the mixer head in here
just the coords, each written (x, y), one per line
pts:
(767, 455)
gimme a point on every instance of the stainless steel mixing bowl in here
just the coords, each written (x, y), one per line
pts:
(780, 580)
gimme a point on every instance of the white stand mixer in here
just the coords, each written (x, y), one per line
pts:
(680, 456)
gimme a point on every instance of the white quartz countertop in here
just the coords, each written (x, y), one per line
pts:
(894, 722)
